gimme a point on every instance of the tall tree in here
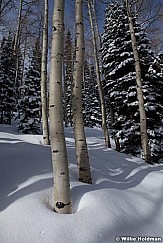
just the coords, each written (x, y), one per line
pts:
(18, 29)
(17, 42)
(120, 80)
(90, 97)
(99, 83)
(68, 55)
(80, 139)
(45, 125)
(143, 118)
(30, 104)
(62, 203)
(7, 70)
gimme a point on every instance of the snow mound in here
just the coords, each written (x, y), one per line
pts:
(125, 199)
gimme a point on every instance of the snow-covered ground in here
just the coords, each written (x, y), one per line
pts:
(126, 198)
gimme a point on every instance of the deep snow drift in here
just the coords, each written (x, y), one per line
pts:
(126, 198)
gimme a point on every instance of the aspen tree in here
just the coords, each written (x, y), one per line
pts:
(62, 203)
(18, 26)
(143, 119)
(96, 35)
(17, 40)
(68, 58)
(101, 94)
(80, 139)
(44, 77)
(65, 96)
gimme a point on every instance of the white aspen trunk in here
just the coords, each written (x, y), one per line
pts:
(80, 139)
(143, 124)
(16, 42)
(45, 126)
(98, 38)
(95, 23)
(18, 26)
(100, 89)
(65, 96)
(116, 139)
(24, 55)
(71, 109)
(62, 203)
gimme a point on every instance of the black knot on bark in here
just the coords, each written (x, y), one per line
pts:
(61, 205)
(55, 151)
(62, 173)
(54, 28)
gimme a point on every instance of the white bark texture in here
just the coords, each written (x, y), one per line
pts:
(62, 203)
(80, 139)
(143, 123)
(18, 28)
(100, 89)
(16, 42)
(65, 96)
(45, 126)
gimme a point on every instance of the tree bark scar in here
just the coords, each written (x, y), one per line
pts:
(62, 173)
(83, 169)
(55, 151)
(61, 204)
(54, 28)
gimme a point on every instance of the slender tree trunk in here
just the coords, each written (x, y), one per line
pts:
(116, 139)
(0, 8)
(18, 26)
(98, 38)
(65, 96)
(96, 24)
(17, 41)
(1, 116)
(143, 125)
(101, 94)
(45, 126)
(62, 203)
(71, 112)
(80, 139)
(24, 55)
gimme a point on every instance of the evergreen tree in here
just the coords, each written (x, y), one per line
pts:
(120, 79)
(7, 71)
(29, 105)
(160, 64)
(90, 98)
(155, 75)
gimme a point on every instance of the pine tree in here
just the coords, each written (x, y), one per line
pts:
(29, 105)
(120, 77)
(155, 76)
(90, 98)
(7, 71)
(160, 64)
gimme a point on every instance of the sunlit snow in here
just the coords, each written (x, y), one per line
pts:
(125, 199)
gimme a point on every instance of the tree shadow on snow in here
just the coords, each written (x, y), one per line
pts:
(24, 169)
(120, 172)
(111, 169)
